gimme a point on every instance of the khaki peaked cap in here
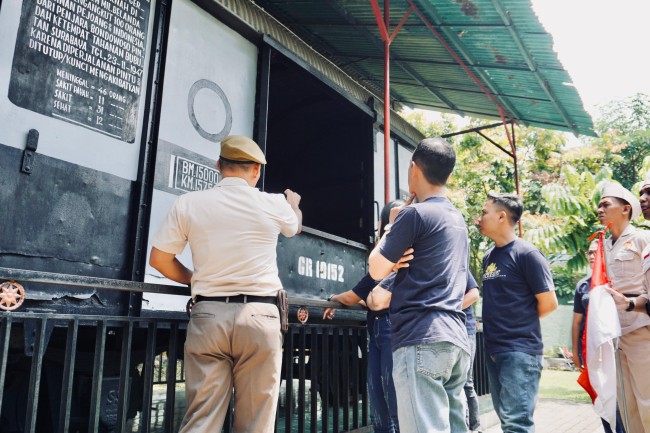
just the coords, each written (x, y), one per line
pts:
(243, 149)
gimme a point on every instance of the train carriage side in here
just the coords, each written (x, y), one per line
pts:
(110, 110)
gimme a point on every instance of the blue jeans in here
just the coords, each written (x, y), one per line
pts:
(514, 383)
(429, 381)
(473, 415)
(381, 390)
(619, 424)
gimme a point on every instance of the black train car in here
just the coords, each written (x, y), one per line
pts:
(110, 109)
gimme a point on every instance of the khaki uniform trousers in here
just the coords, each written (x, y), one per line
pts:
(635, 368)
(232, 345)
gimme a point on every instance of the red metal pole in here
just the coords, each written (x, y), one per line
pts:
(386, 104)
(387, 37)
(465, 68)
(513, 145)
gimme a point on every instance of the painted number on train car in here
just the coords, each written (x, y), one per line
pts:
(189, 175)
(320, 269)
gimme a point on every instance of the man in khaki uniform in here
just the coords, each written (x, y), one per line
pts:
(644, 199)
(641, 303)
(623, 257)
(233, 338)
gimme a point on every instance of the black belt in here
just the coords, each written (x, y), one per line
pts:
(239, 299)
(380, 314)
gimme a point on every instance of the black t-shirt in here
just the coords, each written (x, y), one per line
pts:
(428, 295)
(580, 303)
(513, 275)
(365, 286)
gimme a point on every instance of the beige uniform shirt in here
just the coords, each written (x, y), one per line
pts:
(646, 269)
(233, 232)
(624, 263)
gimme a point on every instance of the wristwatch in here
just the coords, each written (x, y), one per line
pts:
(631, 305)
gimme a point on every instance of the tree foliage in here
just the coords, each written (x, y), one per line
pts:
(559, 184)
(624, 136)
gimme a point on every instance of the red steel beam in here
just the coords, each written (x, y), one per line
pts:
(384, 28)
(384, 25)
(462, 64)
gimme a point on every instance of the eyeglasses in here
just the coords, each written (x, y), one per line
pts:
(591, 253)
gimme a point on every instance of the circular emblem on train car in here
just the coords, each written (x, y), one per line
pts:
(12, 295)
(210, 85)
(302, 315)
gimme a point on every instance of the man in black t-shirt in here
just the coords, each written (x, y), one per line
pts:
(517, 291)
(429, 340)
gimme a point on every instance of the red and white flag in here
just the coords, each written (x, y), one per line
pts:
(602, 327)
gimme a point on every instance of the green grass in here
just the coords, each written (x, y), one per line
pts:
(562, 385)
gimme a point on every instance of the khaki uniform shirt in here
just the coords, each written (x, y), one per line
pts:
(646, 269)
(625, 270)
(233, 232)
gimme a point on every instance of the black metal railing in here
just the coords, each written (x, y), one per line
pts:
(85, 373)
(480, 377)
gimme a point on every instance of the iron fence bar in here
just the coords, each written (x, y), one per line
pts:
(313, 362)
(345, 374)
(35, 376)
(364, 374)
(147, 372)
(170, 401)
(125, 369)
(324, 385)
(335, 370)
(95, 400)
(68, 376)
(301, 378)
(4, 350)
(482, 366)
(288, 379)
(357, 378)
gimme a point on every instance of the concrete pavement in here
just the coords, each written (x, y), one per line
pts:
(554, 416)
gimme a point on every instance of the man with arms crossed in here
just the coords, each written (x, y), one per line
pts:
(517, 291)
(429, 340)
(234, 337)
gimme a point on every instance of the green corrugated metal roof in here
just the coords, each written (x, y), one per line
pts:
(501, 41)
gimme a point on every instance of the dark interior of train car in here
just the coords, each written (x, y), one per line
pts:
(320, 145)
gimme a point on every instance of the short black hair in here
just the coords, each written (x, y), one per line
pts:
(436, 158)
(511, 203)
(385, 213)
